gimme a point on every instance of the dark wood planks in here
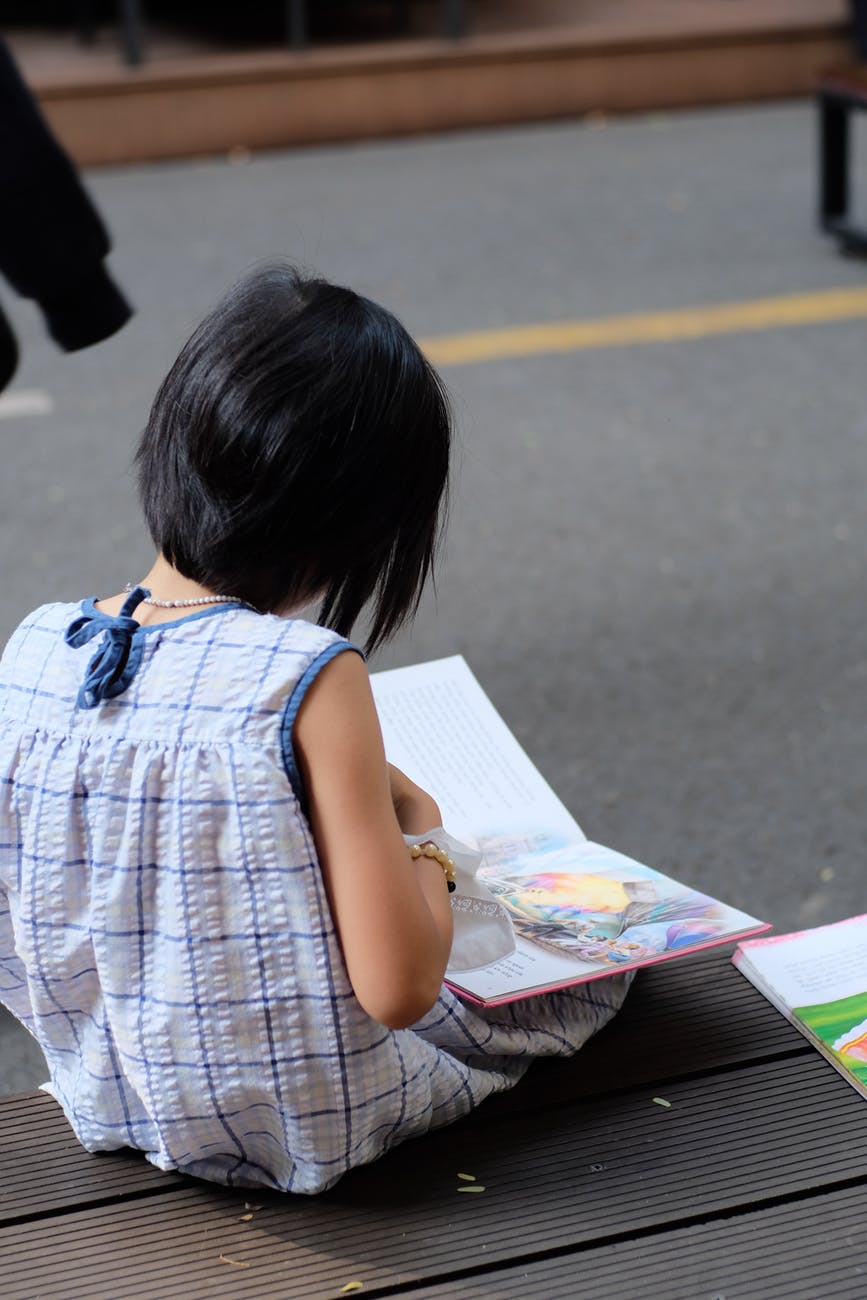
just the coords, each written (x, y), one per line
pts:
(601, 1171)
(43, 1168)
(680, 1017)
(802, 1251)
(581, 1168)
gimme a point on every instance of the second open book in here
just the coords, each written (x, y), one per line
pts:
(579, 911)
(818, 980)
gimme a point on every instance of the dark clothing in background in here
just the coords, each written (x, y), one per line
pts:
(52, 240)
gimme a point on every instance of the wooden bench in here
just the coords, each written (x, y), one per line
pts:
(751, 1183)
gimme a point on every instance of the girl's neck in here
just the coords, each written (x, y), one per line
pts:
(165, 583)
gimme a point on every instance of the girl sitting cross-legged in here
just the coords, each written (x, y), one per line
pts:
(209, 916)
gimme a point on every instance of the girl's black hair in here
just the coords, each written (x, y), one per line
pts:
(297, 449)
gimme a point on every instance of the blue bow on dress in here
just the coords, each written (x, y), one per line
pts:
(113, 666)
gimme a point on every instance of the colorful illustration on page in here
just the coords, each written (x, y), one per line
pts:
(842, 1026)
(594, 904)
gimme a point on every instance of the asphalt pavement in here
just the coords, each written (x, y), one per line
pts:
(656, 560)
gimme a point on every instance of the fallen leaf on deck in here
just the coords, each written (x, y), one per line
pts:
(660, 1101)
(477, 1188)
(245, 1218)
(468, 1178)
(238, 1263)
(351, 1286)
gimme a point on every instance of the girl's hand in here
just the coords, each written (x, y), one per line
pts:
(391, 912)
(415, 809)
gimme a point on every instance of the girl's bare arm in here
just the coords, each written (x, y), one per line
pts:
(392, 913)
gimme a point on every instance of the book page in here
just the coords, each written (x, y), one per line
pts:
(812, 966)
(441, 729)
(818, 979)
(528, 967)
(582, 911)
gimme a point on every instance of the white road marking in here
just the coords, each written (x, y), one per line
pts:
(26, 401)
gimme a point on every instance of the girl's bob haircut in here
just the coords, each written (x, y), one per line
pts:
(298, 450)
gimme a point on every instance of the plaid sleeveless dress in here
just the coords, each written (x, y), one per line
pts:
(164, 928)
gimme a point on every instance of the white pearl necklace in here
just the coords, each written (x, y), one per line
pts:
(195, 600)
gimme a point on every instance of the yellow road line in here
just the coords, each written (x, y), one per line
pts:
(647, 327)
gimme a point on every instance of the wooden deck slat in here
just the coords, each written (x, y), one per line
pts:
(816, 1247)
(556, 1182)
(44, 1168)
(680, 1017)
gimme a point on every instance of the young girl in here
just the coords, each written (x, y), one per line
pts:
(209, 915)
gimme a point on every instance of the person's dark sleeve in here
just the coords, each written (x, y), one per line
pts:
(52, 240)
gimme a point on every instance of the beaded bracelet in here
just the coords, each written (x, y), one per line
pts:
(431, 850)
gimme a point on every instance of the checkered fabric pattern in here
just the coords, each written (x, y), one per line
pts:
(164, 929)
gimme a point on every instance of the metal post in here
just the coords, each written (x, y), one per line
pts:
(131, 31)
(296, 23)
(402, 15)
(833, 159)
(455, 18)
(86, 22)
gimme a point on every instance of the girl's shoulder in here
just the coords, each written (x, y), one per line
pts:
(285, 654)
(52, 611)
(248, 632)
(233, 660)
(51, 617)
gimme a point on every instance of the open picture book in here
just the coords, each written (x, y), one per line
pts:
(818, 980)
(573, 910)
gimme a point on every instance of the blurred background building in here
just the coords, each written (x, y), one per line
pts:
(127, 80)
